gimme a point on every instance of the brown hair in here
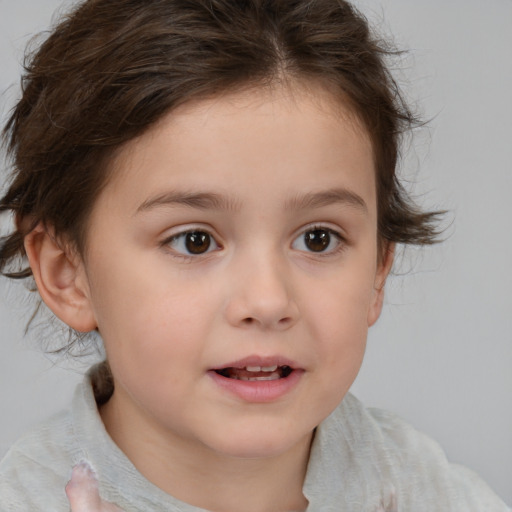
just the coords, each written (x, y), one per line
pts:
(113, 68)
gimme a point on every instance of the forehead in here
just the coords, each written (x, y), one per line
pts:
(292, 138)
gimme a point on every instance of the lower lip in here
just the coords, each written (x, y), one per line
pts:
(258, 391)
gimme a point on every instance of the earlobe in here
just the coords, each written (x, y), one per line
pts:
(60, 279)
(384, 267)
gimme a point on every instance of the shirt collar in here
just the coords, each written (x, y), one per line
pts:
(349, 467)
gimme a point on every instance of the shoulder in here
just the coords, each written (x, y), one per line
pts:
(36, 468)
(415, 465)
(422, 468)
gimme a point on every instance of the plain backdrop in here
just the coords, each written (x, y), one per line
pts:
(441, 354)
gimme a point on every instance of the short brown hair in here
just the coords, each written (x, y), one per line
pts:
(113, 68)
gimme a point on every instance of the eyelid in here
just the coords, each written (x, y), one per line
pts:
(327, 226)
(189, 228)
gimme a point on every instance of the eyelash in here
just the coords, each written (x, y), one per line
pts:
(340, 246)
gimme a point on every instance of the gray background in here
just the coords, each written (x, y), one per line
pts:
(441, 354)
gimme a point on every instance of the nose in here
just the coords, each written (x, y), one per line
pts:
(261, 295)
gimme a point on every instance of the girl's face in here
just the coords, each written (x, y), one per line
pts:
(232, 271)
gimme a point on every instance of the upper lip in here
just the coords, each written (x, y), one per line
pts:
(262, 361)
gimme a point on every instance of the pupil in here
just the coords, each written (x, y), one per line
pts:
(197, 242)
(317, 240)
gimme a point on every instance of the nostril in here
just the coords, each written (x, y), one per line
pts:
(283, 322)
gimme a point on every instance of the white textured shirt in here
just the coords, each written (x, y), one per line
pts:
(362, 460)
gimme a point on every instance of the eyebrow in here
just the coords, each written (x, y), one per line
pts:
(313, 200)
(200, 200)
(213, 201)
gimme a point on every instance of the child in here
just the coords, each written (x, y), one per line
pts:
(211, 186)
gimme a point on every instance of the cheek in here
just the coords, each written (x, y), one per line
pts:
(155, 348)
(342, 301)
(339, 313)
(148, 318)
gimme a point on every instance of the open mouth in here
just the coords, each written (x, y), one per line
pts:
(256, 373)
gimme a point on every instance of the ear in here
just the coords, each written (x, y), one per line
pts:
(60, 278)
(383, 268)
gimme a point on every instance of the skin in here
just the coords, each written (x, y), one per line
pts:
(83, 491)
(281, 164)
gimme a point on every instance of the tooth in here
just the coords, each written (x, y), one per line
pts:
(253, 368)
(269, 368)
(272, 376)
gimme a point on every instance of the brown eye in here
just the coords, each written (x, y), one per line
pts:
(317, 240)
(197, 242)
(192, 243)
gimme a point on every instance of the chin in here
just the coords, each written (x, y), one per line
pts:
(260, 444)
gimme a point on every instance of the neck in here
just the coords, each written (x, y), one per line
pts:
(206, 479)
